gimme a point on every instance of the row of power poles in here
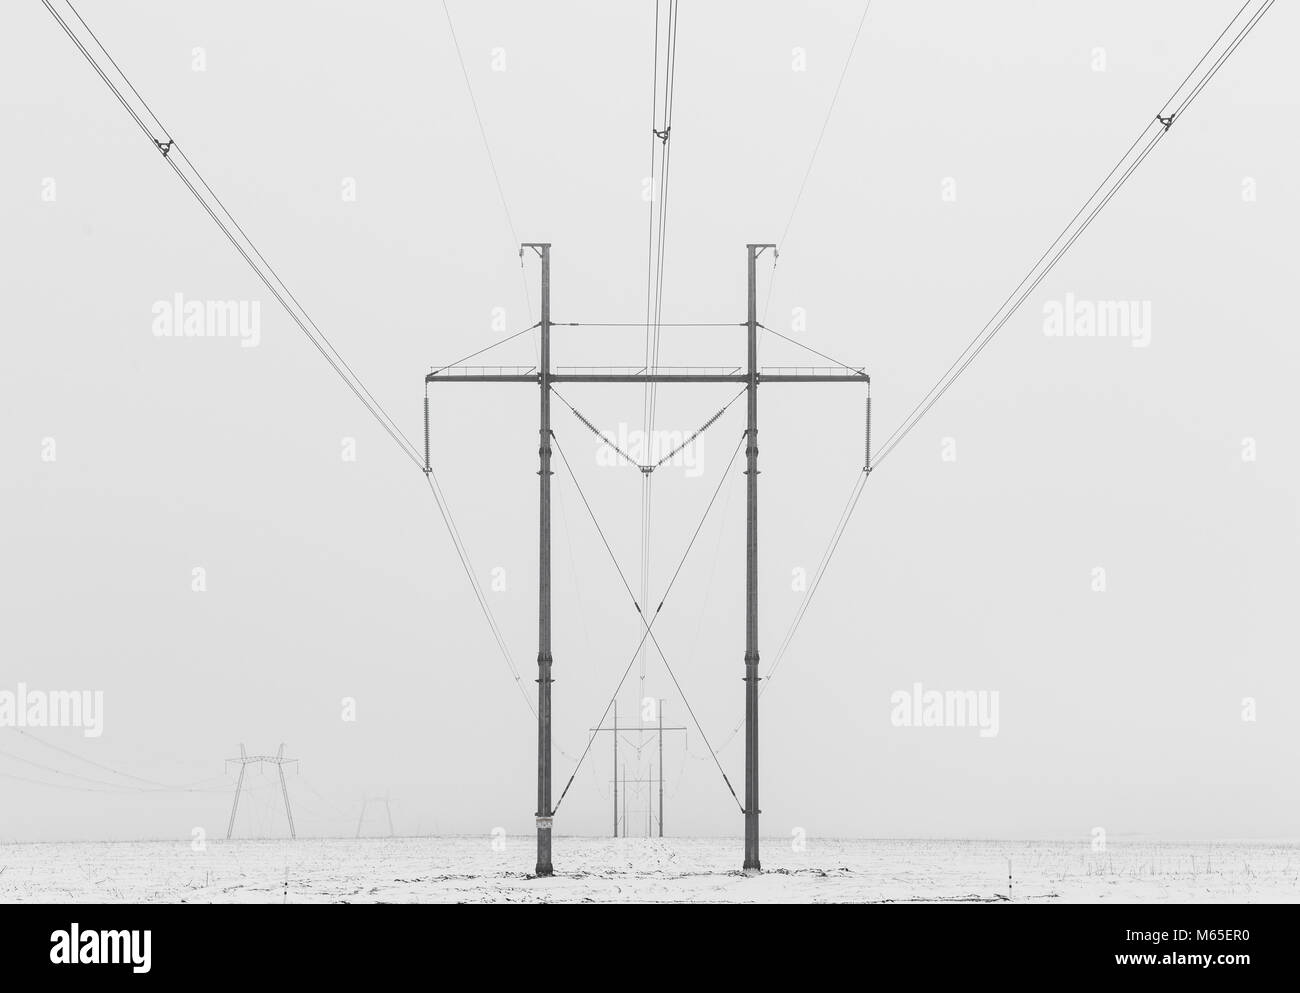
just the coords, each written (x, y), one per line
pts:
(640, 730)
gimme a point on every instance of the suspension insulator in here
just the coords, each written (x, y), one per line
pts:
(427, 468)
(866, 450)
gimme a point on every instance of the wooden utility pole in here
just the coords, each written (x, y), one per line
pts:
(545, 378)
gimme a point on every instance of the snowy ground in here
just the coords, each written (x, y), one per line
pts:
(466, 869)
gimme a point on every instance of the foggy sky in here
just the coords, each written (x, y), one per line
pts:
(328, 579)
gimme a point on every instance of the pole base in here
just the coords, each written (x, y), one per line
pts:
(752, 869)
(543, 847)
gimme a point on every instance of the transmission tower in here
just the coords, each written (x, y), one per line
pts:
(658, 729)
(388, 809)
(245, 760)
(544, 377)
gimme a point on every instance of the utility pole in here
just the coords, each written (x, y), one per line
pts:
(544, 811)
(545, 378)
(641, 729)
(661, 768)
(279, 761)
(751, 574)
(648, 810)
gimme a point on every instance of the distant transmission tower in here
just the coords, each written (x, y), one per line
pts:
(279, 761)
(625, 729)
(388, 809)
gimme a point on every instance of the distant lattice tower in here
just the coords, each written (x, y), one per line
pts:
(245, 760)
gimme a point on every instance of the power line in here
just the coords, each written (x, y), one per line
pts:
(175, 146)
(655, 255)
(963, 361)
(487, 147)
(82, 758)
(990, 329)
(1201, 60)
(322, 344)
(812, 159)
(845, 516)
(58, 786)
(107, 786)
(841, 525)
(114, 787)
(481, 598)
(977, 346)
(304, 322)
(835, 96)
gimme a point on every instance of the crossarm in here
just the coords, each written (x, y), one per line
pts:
(741, 378)
(486, 377)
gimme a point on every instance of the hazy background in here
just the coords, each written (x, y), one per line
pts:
(329, 579)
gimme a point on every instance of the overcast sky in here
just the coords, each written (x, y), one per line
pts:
(964, 137)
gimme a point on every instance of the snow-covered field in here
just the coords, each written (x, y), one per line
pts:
(470, 869)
